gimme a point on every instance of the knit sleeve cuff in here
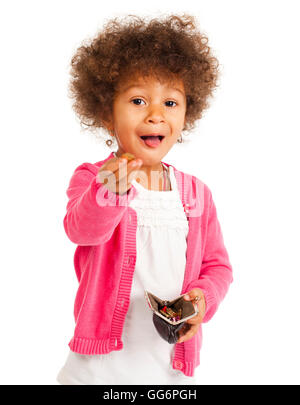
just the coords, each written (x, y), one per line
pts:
(210, 305)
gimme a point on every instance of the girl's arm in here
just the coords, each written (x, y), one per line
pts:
(216, 270)
(93, 211)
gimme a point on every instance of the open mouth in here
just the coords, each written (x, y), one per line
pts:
(152, 140)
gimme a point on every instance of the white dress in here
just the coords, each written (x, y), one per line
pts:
(162, 229)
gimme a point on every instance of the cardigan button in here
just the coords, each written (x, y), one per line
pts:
(178, 365)
(130, 218)
(130, 259)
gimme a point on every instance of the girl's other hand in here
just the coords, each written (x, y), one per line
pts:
(115, 172)
(193, 324)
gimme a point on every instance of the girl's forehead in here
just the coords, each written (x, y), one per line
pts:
(144, 81)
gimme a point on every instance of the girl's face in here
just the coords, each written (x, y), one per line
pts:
(144, 106)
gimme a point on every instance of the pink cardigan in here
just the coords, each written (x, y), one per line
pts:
(104, 227)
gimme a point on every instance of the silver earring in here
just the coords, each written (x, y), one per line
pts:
(179, 140)
(109, 142)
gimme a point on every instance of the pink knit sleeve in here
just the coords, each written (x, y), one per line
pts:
(93, 211)
(216, 270)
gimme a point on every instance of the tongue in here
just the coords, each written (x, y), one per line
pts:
(152, 140)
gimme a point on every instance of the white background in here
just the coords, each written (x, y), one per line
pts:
(245, 148)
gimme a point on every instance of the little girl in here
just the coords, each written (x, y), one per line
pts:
(143, 224)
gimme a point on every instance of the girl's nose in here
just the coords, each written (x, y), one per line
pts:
(155, 114)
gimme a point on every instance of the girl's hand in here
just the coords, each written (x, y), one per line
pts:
(115, 172)
(193, 324)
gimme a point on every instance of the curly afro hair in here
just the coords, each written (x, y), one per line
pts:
(167, 48)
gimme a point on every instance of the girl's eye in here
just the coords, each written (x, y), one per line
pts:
(170, 101)
(137, 99)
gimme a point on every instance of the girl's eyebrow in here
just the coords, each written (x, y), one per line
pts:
(141, 87)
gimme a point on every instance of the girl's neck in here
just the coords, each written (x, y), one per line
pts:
(160, 181)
